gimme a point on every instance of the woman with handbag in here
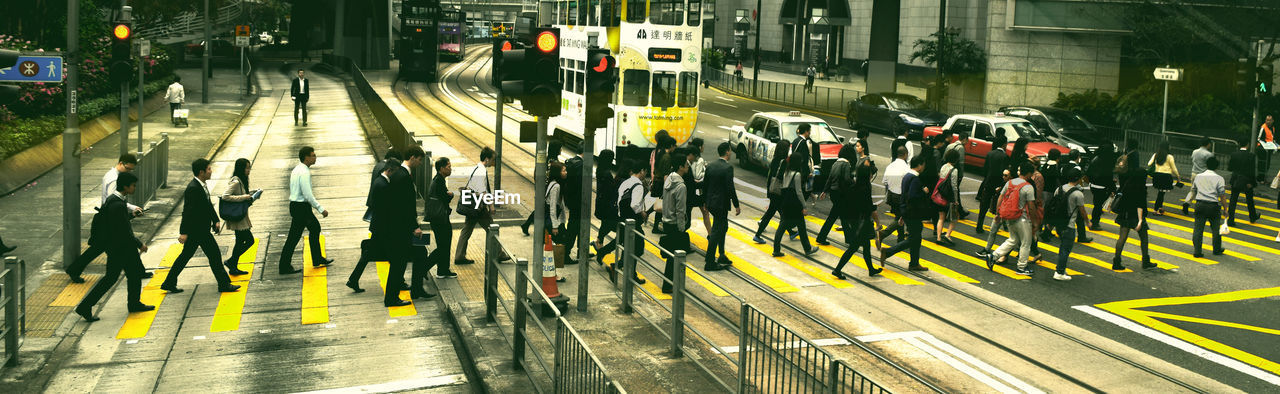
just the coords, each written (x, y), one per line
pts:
(1102, 182)
(1131, 209)
(557, 211)
(949, 212)
(438, 197)
(1164, 174)
(864, 222)
(792, 205)
(776, 168)
(237, 192)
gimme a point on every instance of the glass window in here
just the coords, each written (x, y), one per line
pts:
(611, 12)
(1016, 130)
(695, 12)
(582, 82)
(872, 100)
(757, 126)
(568, 82)
(666, 12)
(688, 90)
(771, 131)
(818, 131)
(592, 10)
(573, 11)
(635, 11)
(664, 90)
(635, 87)
(983, 132)
(902, 101)
(962, 125)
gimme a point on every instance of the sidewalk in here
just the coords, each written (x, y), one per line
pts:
(855, 82)
(277, 333)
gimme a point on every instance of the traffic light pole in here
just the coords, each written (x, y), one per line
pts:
(142, 83)
(124, 118)
(497, 140)
(208, 47)
(71, 143)
(584, 229)
(755, 70)
(539, 199)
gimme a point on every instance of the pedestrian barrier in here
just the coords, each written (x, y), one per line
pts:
(1180, 146)
(152, 171)
(827, 99)
(573, 367)
(771, 357)
(14, 301)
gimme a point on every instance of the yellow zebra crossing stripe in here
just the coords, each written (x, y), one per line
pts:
(315, 290)
(715, 290)
(384, 269)
(766, 278)
(231, 305)
(139, 323)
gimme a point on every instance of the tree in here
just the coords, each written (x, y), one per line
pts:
(961, 59)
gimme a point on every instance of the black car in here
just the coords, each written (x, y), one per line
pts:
(890, 112)
(1062, 126)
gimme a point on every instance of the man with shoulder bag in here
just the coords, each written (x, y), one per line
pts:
(476, 204)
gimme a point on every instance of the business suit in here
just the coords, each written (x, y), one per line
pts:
(403, 197)
(301, 92)
(804, 149)
(115, 234)
(391, 233)
(198, 217)
(369, 249)
(1244, 179)
(440, 228)
(720, 195)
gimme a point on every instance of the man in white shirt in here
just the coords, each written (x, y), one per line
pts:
(301, 202)
(176, 96)
(126, 164)
(893, 186)
(477, 189)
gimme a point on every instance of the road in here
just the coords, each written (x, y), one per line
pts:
(1197, 313)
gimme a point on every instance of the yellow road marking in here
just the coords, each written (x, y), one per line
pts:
(74, 292)
(1131, 241)
(1234, 230)
(895, 276)
(315, 290)
(742, 265)
(944, 271)
(1040, 262)
(716, 290)
(384, 269)
(1224, 239)
(648, 284)
(966, 258)
(138, 323)
(231, 305)
(792, 261)
(1129, 309)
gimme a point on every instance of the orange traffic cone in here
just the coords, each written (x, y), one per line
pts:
(549, 269)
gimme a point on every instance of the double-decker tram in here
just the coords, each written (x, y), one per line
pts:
(452, 34)
(658, 47)
(416, 46)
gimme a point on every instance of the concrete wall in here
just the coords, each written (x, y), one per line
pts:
(1031, 67)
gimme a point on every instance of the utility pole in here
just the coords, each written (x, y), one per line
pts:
(208, 47)
(71, 142)
(125, 17)
(755, 70)
(1257, 97)
(142, 99)
(941, 52)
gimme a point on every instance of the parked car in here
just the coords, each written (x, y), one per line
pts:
(754, 143)
(983, 129)
(265, 38)
(1062, 126)
(221, 48)
(890, 112)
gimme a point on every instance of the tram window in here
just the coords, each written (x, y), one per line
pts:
(583, 6)
(635, 87)
(664, 87)
(593, 9)
(612, 12)
(695, 12)
(582, 82)
(568, 87)
(573, 12)
(635, 11)
(666, 12)
(688, 90)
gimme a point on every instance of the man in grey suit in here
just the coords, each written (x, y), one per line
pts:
(720, 194)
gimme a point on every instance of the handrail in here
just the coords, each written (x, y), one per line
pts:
(191, 21)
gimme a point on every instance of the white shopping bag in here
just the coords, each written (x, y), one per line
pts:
(1224, 230)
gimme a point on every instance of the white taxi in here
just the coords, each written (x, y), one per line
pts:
(754, 143)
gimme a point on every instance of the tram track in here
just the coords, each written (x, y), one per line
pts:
(816, 324)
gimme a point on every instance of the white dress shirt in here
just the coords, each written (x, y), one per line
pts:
(109, 188)
(893, 175)
(300, 187)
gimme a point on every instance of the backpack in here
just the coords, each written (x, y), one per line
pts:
(1057, 210)
(1009, 209)
(98, 231)
(624, 204)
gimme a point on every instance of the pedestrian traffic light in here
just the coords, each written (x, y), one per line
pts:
(8, 93)
(602, 82)
(510, 71)
(121, 45)
(502, 49)
(1266, 73)
(542, 85)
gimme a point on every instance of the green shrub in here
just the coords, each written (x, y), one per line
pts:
(1099, 108)
(18, 133)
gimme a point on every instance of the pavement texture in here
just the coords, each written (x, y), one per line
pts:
(292, 333)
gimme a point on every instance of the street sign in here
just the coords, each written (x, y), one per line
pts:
(34, 69)
(144, 47)
(242, 30)
(242, 41)
(1168, 74)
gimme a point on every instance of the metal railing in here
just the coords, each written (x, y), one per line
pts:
(573, 367)
(819, 98)
(14, 301)
(191, 22)
(152, 171)
(1180, 146)
(387, 119)
(771, 356)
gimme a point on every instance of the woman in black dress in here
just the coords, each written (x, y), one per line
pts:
(864, 221)
(1131, 208)
(792, 205)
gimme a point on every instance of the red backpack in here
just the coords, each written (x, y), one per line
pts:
(1009, 209)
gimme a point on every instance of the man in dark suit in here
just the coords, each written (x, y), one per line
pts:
(369, 250)
(403, 204)
(804, 149)
(111, 230)
(1244, 178)
(198, 217)
(902, 140)
(301, 92)
(996, 161)
(720, 194)
(391, 234)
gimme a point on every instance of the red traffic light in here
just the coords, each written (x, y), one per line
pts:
(547, 41)
(122, 31)
(603, 66)
(506, 45)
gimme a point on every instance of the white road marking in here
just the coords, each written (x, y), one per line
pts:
(724, 98)
(959, 366)
(399, 386)
(1181, 344)
(748, 185)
